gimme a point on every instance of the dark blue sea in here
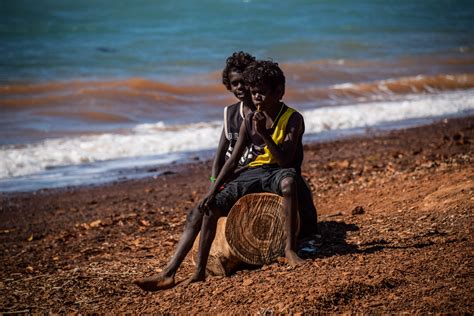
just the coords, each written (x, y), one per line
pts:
(92, 91)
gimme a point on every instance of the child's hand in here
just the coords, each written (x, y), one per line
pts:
(259, 122)
(206, 201)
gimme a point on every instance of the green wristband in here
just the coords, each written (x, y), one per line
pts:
(213, 179)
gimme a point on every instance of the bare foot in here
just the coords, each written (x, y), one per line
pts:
(156, 282)
(293, 258)
(195, 278)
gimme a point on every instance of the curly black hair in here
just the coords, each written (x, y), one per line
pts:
(265, 72)
(237, 62)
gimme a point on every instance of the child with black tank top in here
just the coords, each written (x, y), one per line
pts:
(234, 114)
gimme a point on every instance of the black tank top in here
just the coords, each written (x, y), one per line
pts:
(233, 118)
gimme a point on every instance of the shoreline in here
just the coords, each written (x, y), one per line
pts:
(97, 158)
(145, 173)
(77, 249)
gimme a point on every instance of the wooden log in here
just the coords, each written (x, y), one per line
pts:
(253, 233)
(255, 228)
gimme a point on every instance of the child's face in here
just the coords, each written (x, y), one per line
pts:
(264, 97)
(237, 85)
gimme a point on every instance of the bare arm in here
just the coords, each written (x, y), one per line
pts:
(219, 159)
(229, 167)
(285, 152)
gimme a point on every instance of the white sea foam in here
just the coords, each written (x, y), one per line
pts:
(152, 143)
(346, 85)
(143, 140)
(379, 113)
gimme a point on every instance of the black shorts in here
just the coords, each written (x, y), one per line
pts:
(252, 180)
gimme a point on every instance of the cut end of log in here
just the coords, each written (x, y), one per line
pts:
(255, 228)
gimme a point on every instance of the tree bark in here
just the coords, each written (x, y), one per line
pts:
(222, 259)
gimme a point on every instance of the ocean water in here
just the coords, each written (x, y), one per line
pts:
(95, 91)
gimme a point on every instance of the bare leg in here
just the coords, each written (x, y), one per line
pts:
(165, 279)
(208, 233)
(290, 207)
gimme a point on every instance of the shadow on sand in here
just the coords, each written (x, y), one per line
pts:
(333, 242)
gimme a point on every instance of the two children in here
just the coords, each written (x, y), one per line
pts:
(232, 78)
(276, 131)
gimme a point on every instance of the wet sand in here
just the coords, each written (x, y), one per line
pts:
(396, 216)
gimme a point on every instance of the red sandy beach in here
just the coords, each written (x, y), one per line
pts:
(407, 248)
